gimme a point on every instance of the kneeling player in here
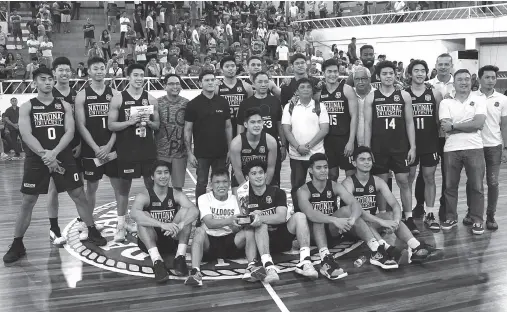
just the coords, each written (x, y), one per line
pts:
(365, 187)
(220, 236)
(164, 219)
(317, 200)
(271, 230)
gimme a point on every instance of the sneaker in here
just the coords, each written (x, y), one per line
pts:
(381, 259)
(424, 253)
(95, 238)
(56, 240)
(409, 222)
(478, 229)
(449, 224)
(418, 211)
(82, 226)
(400, 256)
(83, 235)
(254, 273)
(161, 274)
(467, 220)
(4, 156)
(306, 268)
(194, 279)
(180, 265)
(331, 269)
(491, 223)
(121, 234)
(271, 275)
(431, 222)
(15, 252)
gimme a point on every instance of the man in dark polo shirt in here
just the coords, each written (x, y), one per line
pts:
(208, 120)
(11, 117)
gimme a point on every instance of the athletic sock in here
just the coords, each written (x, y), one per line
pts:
(304, 252)
(323, 252)
(408, 214)
(266, 260)
(182, 250)
(383, 242)
(413, 243)
(197, 269)
(56, 230)
(154, 254)
(53, 223)
(121, 221)
(429, 209)
(373, 244)
(18, 241)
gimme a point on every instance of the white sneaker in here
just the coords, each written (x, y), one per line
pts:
(120, 234)
(132, 227)
(306, 268)
(57, 241)
(271, 275)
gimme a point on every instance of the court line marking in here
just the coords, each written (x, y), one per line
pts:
(279, 303)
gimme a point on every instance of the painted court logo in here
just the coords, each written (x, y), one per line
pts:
(127, 258)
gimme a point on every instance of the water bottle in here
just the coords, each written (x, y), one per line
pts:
(360, 261)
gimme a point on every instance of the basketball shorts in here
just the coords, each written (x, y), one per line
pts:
(94, 173)
(427, 160)
(223, 247)
(334, 147)
(280, 239)
(397, 162)
(79, 164)
(166, 244)
(36, 175)
(129, 170)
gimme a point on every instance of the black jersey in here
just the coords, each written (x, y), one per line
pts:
(389, 134)
(424, 109)
(259, 152)
(96, 108)
(337, 106)
(234, 95)
(162, 210)
(71, 99)
(324, 202)
(273, 197)
(133, 143)
(375, 82)
(48, 123)
(271, 112)
(366, 195)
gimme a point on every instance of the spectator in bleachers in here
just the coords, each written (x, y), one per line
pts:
(150, 27)
(3, 37)
(56, 16)
(352, 50)
(95, 51)
(130, 39)
(31, 26)
(322, 9)
(47, 51)
(124, 23)
(272, 42)
(112, 13)
(65, 17)
(31, 67)
(138, 24)
(89, 35)
(41, 30)
(153, 68)
(105, 41)
(48, 25)
(182, 68)
(168, 69)
(120, 55)
(140, 52)
(15, 24)
(161, 28)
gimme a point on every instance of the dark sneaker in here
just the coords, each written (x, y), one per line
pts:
(331, 269)
(180, 265)
(449, 224)
(381, 259)
(95, 238)
(467, 220)
(478, 229)
(15, 252)
(424, 253)
(161, 274)
(431, 222)
(418, 211)
(398, 255)
(254, 273)
(411, 226)
(195, 278)
(491, 223)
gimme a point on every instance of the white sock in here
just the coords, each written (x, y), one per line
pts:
(429, 209)
(408, 214)
(121, 221)
(383, 242)
(154, 254)
(323, 252)
(182, 250)
(198, 269)
(265, 259)
(413, 243)
(373, 244)
(303, 253)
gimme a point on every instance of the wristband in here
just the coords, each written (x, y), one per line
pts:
(452, 126)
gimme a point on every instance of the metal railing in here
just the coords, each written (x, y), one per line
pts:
(480, 11)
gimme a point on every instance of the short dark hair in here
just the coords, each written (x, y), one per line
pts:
(255, 163)
(258, 74)
(40, 71)
(131, 68)
(297, 56)
(95, 60)
(462, 71)
(253, 57)
(158, 163)
(366, 46)
(417, 62)
(222, 171)
(303, 80)
(316, 157)
(359, 150)
(206, 72)
(164, 80)
(80, 63)
(488, 68)
(444, 55)
(61, 60)
(382, 65)
(328, 63)
(251, 112)
(35, 58)
(226, 59)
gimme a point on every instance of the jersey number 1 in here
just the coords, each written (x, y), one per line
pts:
(390, 124)
(104, 122)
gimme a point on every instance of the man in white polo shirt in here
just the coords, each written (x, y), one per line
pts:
(462, 119)
(305, 126)
(494, 138)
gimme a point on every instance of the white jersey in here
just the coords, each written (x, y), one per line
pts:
(208, 204)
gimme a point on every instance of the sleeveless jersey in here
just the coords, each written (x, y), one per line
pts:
(131, 146)
(267, 202)
(337, 107)
(71, 99)
(425, 121)
(234, 97)
(389, 134)
(375, 82)
(48, 123)
(163, 211)
(324, 202)
(366, 194)
(259, 152)
(96, 108)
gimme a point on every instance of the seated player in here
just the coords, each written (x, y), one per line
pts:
(365, 187)
(164, 219)
(317, 200)
(270, 230)
(219, 236)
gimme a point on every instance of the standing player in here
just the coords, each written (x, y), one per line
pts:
(288, 92)
(389, 130)
(47, 128)
(164, 219)
(250, 145)
(254, 66)
(64, 93)
(341, 104)
(425, 103)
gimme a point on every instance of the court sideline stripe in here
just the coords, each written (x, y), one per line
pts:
(268, 287)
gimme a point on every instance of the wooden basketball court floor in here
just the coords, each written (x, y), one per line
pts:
(471, 277)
